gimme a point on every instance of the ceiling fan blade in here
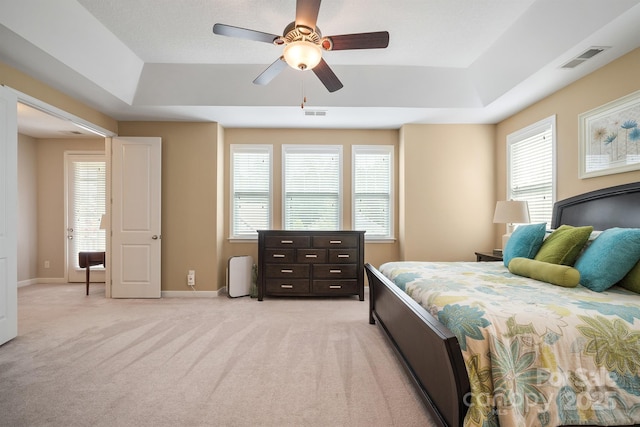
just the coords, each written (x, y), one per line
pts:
(327, 77)
(272, 70)
(307, 13)
(243, 33)
(377, 40)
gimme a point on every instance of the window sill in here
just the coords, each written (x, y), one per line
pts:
(242, 239)
(379, 240)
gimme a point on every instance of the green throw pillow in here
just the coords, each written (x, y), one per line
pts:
(556, 274)
(524, 242)
(632, 280)
(564, 245)
(609, 258)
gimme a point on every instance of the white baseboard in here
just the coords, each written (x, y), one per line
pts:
(52, 280)
(27, 282)
(192, 294)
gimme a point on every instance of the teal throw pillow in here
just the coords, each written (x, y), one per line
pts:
(524, 242)
(609, 258)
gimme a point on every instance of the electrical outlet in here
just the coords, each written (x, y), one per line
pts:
(47, 264)
(191, 278)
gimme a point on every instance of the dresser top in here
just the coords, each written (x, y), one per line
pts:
(315, 232)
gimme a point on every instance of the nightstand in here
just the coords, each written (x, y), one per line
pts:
(488, 256)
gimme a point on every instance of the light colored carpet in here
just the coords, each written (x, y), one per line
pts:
(90, 361)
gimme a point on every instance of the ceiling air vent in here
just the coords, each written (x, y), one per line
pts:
(584, 56)
(315, 112)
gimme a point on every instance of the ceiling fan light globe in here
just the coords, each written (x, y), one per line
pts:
(302, 55)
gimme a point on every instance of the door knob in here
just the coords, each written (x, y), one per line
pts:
(154, 237)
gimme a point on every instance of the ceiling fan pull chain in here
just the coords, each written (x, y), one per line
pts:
(304, 98)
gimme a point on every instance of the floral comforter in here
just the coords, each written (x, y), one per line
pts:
(536, 354)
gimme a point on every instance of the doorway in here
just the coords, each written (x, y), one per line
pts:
(48, 133)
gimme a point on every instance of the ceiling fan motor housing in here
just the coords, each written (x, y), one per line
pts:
(303, 46)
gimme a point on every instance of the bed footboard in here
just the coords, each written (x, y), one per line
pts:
(429, 351)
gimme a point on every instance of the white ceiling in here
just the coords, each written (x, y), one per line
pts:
(448, 61)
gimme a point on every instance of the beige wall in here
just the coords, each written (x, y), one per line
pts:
(189, 201)
(447, 176)
(375, 253)
(27, 210)
(604, 85)
(51, 201)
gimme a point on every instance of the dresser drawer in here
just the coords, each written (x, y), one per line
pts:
(311, 255)
(287, 241)
(337, 241)
(343, 255)
(294, 271)
(280, 255)
(335, 287)
(335, 271)
(287, 287)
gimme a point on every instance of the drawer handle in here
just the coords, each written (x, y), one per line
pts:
(335, 286)
(311, 256)
(335, 242)
(343, 256)
(335, 271)
(286, 271)
(286, 242)
(286, 286)
(278, 255)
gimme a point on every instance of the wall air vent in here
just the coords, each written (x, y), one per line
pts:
(584, 56)
(315, 112)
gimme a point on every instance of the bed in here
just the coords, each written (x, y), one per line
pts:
(443, 365)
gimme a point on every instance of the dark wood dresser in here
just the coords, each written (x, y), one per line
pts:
(310, 263)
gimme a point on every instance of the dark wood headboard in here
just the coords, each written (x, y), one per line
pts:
(606, 208)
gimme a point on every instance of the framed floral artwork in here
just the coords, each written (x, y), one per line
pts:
(609, 138)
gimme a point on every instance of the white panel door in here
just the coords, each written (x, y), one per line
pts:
(8, 215)
(135, 217)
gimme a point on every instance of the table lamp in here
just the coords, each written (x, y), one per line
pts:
(511, 212)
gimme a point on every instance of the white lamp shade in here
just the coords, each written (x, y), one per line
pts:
(302, 55)
(511, 212)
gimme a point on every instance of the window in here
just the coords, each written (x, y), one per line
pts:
(372, 190)
(531, 168)
(312, 187)
(87, 202)
(250, 189)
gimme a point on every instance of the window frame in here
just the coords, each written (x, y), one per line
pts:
(235, 148)
(523, 134)
(375, 149)
(338, 149)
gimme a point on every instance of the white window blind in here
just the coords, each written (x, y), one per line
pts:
(312, 187)
(531, 170)
(372, 190)
(88, 204)
(250, 189)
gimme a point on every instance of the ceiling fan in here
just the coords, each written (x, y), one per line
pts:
(303, 44)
